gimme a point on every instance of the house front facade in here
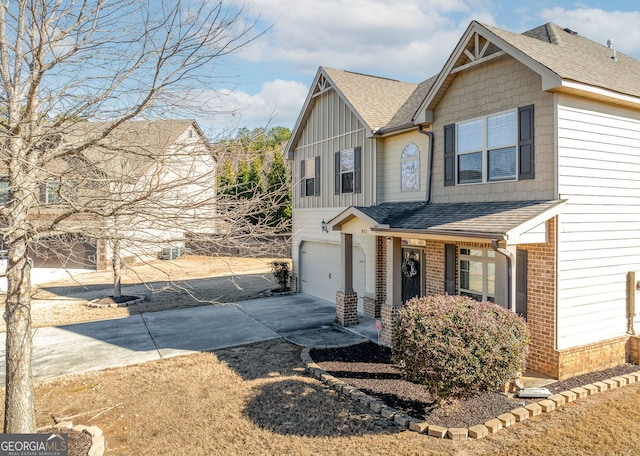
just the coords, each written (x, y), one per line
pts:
(510, 177)
(144, 185)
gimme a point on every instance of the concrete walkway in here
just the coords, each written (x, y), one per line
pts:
(83, 347)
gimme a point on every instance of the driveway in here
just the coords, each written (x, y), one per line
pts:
(300, 319)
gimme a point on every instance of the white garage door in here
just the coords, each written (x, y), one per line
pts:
(321, 273)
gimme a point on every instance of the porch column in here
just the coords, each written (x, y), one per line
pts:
(346, 297)
(391, 308)
(505, 285)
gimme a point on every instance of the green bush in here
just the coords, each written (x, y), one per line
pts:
(457, 347)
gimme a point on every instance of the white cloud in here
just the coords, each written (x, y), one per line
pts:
(407, 40)
(599, 25)
(278, 103)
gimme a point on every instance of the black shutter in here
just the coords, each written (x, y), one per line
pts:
(522, 259)
(449, 155)
(316, 179)
(526, 163)
(303, 184)
(450, 269)
(357, 170)
(336, 173)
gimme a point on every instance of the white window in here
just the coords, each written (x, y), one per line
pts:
(347, 168)
(477, 272)
(410, 168)
(486, 148)
(53, 193)
(310, 177)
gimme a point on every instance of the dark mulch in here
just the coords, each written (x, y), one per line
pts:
(79, 442)
(368, 367)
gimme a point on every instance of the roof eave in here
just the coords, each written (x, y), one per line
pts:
(442, 234)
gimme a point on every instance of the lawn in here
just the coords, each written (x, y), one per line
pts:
(257, 400)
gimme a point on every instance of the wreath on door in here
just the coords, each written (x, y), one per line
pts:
(409, 267)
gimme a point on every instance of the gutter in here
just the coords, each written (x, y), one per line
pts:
(496, 247)
(430, 135)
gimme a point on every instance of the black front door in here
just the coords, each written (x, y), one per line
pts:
(411, 273)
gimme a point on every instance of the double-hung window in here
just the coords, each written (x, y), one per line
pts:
(348, 171)
(493, 148)
(477, 272)
(310, 177)
(486, 148)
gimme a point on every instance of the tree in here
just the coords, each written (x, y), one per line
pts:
(278, 187)
(61, 61)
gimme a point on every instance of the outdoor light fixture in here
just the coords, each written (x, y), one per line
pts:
(323, 225)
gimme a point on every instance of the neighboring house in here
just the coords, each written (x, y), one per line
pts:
(159, 177)
(511, 176)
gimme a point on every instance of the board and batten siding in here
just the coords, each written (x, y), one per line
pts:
(599, 235)
(332, 127)
(389, 168)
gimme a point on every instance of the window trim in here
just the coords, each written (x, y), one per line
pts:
(304, 178)
(485, 150)
(411, 158)
(525, 148)
(485, 260)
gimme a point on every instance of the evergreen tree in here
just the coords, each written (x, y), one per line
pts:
(278, 186)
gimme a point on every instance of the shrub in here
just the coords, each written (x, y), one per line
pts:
(280, 270)
(457, 347)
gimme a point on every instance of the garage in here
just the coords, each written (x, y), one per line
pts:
(321, 272)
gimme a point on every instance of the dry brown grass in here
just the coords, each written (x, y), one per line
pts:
(257, 400)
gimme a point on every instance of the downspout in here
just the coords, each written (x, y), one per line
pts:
(430, 135)
(495, 246)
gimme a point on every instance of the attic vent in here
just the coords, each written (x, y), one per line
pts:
(613, 50)
(572, 32)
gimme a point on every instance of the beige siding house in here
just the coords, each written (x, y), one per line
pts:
(510, 176)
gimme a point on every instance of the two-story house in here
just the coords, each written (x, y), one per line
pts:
(145, 185)
(511, 176)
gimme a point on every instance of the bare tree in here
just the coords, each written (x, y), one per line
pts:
(106, 61)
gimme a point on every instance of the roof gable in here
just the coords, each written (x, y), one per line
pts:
(373, 100)
(563, 59)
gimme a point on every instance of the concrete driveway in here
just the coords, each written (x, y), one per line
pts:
(82, 347)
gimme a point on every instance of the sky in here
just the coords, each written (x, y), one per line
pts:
(409, 41)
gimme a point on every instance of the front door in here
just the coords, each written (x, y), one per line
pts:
(411, 273)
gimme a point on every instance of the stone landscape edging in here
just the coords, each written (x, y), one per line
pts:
(97, 438)
(479, 431)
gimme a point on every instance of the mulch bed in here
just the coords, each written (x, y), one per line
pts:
(79, 442)
(368, 367)
(110, 301)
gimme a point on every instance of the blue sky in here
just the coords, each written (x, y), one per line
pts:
(408, 40)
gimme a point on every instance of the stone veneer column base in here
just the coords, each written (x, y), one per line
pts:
(389, 316)
(347, 308)
(371, 307)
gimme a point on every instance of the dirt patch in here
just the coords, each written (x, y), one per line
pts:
(185, 282)
(369, 368)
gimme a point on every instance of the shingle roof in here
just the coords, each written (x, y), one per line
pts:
(490, 218)
(576, 58)
(375, 99)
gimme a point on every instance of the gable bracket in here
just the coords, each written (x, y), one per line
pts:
(478, 61)
(322, 86)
